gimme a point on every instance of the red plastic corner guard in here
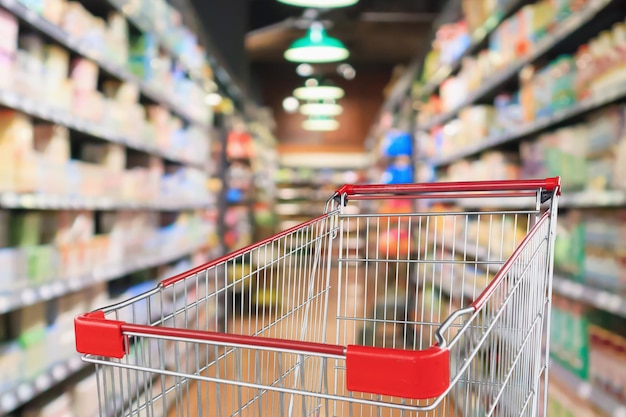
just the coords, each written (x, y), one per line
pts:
(411, 374)
(95, 335)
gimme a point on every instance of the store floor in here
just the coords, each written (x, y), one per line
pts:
(358, 293)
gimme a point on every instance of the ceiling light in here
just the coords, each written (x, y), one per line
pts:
(304, 70)
(291, 104)
(346, 71)
(321, 109)
(213, 99)
(320, 124)
(316, 47)
(313, 91)
(320, 4)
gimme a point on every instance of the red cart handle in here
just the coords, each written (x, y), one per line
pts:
(547, 184)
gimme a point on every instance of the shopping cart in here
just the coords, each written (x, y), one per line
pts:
(441, 311)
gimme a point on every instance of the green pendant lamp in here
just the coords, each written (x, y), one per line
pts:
(320, 4)
(320, 124)
(321, 108)
(316, 47)
(315, 90)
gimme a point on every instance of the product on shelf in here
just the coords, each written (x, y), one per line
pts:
(569, 342)
(607, 361)
(397, 143)
(589, 344)
(565, 403)
(8, 46)
(595, 70)
(400, 171)
(590, 248)
(239, 145)
(52, 247)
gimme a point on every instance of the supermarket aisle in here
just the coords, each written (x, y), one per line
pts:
(358, 293)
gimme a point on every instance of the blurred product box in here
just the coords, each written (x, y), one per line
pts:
(25, 229)
(29, 328)
(53, 10)
(4, 228)
(565, 403)
(52, 142)
(81, 395)
(8, 33)
(569, 342)
(11, 364)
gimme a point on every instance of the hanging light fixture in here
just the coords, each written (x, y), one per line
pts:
(313, 90)
(304, 70)
(291, 104)
(316, 47)
(320, 4)
(320, 124)
(321, 108)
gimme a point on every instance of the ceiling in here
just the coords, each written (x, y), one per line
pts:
(375, 31)
(383, 36)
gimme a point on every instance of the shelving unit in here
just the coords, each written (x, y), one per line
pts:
(611, 406)
(598, 298)
(304, 187)
(28, 390)
(533, 128)
(197, 206)
(564, 30)
(42, 112)
(35, 201)
(466, 157)
(59, 287)
(477, 39)
(47, 28)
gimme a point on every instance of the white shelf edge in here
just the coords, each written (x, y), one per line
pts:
(565, 29)
(578, 199)
(27, 390)
(60, 36)
(59, 287)
(12, 200)
(56, 374)
(586, 391)
(41, 111)
(596, 297)
(531, 128)
(593, 199)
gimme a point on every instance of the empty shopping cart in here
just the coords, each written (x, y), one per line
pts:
(398, 300)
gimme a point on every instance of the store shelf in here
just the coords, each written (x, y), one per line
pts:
(477, 38)
(41, 111)
(35, 201)
(619, 92)
(57, 288)
(143, 24)
(586, 391)
(26, 391)
(600, 299)
(56, 374)
(298, 209)
(59, 35)
(593, 199)
(574, 199)
(498, 79)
